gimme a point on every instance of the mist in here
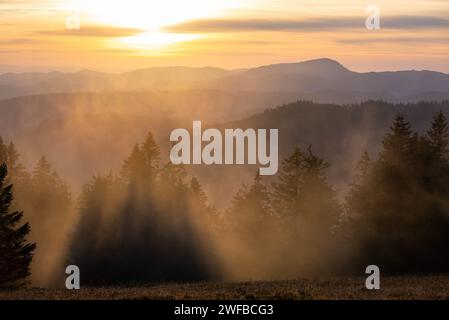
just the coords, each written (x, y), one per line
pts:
(99, 202)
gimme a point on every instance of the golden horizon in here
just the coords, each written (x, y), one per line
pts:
(118, 36)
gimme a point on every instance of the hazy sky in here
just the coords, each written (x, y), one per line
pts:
(124, 35)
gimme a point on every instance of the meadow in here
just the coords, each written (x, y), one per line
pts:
(432, 287)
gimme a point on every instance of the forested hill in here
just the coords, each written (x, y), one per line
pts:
(339, 134)
(93, 142)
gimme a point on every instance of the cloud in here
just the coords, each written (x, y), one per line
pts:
(308, 25)
(10, 51)
(95, 31)
(28, 5)
(398, 40)
(240, 25)
(415, 22)
(19, 41)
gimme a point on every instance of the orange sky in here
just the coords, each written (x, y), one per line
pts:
(124, 35)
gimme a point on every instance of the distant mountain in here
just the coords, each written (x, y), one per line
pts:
(326, 80)
(151, 79)
(207, 105)
(321, 80)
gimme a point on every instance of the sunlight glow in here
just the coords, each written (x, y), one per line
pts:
(155, 40)
(150, 16)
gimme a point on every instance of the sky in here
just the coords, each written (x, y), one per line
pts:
(118, 36)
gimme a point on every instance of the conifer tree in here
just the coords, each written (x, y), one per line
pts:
(198, 194)
(47, 184)
(252, 226)
(140, 227)
(15, 252)
(381, 198)
(357, 195)
(16, 170)
(205, 214)
(288, 184)
(398, 203)
(134, 167)
(398, 142)
(3, 152)
(250, 209)
(308, 209)
(438, 136)
(302, 193)
(151, 154)
(17, 175)
(318, 199)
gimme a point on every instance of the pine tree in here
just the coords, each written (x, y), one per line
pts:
(358, 193)
(142, 219)
(143, 161)
(250, 224)
(288, 184)
(250, 209)
(48, 189)
(380, 201)
(309, 211)
(47, 202)
(15, 169)
(436, 171)
(397, 143)
(398, 207)
(438, 136)
(197, 192)
(134, 167)
(302, 193)
(141, 169)
(3, 152)
(318, 200)
(42, 170)
(205, 214)
(15, 253)
(152, 154)
(172, 185)
(17, 175)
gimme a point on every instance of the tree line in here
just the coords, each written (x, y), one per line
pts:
(152, 222)
(41, 198)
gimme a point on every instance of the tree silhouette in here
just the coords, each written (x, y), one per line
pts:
(205, 214)
(308, 209)
(47, 203)
(251, 224)
(197, 192)
(17, 175)
(15, 253)
(438, 136)
(15, 168)
(398, 204)
(3, 152)
(302, 194)
(139, 227)
(397, 143)
(142, 166)
(250, 210)
(151, 154)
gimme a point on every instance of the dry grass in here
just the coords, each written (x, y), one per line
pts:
(406, 287)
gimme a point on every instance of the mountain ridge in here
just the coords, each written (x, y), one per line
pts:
(311, 78)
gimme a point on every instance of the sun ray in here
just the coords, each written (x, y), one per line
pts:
(149, 16)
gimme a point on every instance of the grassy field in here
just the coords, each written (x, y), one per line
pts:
(409, 287)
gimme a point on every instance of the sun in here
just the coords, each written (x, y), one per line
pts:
(150, 16)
